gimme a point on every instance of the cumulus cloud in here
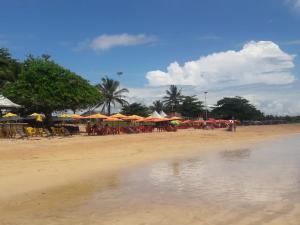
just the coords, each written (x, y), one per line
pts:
(105, 42)
(257, 62)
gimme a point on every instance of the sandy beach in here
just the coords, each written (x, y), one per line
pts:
(42, 177)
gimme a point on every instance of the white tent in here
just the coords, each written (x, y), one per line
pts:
(155, 115)
(163, 114)
(6, 103)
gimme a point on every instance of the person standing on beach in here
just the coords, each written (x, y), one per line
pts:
(233, 125)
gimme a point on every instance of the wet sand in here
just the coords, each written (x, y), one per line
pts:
(50, 181)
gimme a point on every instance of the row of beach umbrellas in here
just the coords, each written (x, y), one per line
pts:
(114, 118)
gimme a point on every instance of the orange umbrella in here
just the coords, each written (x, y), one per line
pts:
(198, 121)
(135, 117)
(96, 116)
(119, 116)
(77, 117)
(111, 119)
(175, 118)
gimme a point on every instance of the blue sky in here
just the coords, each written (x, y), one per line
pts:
(142, 38)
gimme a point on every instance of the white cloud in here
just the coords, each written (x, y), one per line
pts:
(257, 62)
(294, 3)
(105, 42)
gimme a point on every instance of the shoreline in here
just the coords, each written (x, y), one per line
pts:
(27, 167)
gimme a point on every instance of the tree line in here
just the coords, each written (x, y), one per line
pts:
(42, 85)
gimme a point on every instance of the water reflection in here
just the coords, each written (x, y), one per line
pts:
(264, 174)
(269, 172)
(238, 154)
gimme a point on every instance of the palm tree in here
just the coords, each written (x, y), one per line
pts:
(157, 106)
(173, 98)
(111, 93)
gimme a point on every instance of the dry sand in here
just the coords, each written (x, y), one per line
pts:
(44, 180)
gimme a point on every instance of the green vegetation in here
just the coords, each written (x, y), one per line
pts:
(173, 99)
(236, 107)
(44, 86)
(191, 107)
(9, 68)
(157, 106)
(136, 109)
(112, 94)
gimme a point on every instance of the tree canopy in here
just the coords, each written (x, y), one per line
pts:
(191, 107)
(44, 86)
(236, 107)
(135, 109)
(9, 68)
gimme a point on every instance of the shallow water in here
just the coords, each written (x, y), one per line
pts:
(263, 180)
(249, 186)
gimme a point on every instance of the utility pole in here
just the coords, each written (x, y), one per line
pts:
(205, 93)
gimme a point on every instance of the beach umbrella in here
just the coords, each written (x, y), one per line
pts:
(65, 115)
(112, 119)
(119, 116)
(187, 121)
(36, 116)
(175, 122)
(134, 117)
(77, 117)
(10, 115)
(175, 118)
(96, 116)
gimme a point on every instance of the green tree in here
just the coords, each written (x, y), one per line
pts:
(236, 107)
(9, 68)
(173, 99)
(135, 109)
(112, 94)
(44, 86)
(157, 106)
(191, 107)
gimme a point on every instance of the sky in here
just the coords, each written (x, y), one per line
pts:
(247, 48)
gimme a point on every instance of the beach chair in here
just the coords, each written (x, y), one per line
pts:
(30, 131)
(21, 133)
(47, 132)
